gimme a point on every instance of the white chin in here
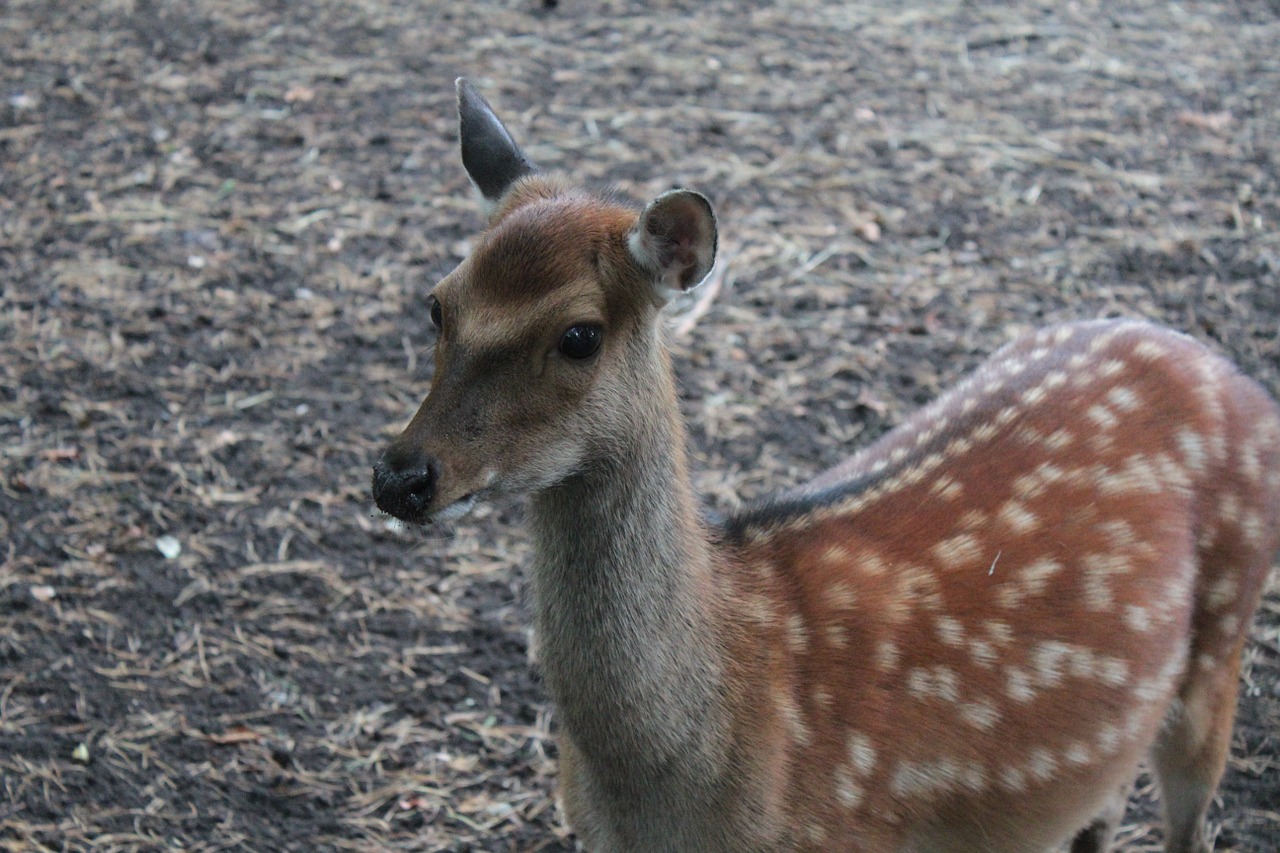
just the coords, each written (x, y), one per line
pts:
(456, 509)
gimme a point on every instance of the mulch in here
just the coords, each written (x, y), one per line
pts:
(218, 223)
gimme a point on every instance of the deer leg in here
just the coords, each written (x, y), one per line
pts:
(1191, 752)
(574, 798)
(1097, 836)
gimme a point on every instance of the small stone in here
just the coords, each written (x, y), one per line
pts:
(169, 547)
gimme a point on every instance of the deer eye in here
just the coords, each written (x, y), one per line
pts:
(437, 313)
(581, 341)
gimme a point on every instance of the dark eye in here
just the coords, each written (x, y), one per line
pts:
(581, 341)
(437, 313)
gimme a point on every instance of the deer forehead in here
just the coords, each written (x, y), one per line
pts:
(549, 253)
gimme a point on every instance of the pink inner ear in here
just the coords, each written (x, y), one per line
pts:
(674, 227)
(670, 243)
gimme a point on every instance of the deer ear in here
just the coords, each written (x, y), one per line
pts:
(675, 239)
(489, 154)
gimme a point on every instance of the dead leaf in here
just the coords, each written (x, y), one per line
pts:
(234, 735)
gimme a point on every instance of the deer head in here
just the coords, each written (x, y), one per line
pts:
(547, 333)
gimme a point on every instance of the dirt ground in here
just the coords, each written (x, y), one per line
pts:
(218, 222)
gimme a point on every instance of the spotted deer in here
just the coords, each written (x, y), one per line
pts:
(964, 638)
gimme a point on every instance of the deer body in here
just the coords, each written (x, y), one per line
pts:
(965, 638)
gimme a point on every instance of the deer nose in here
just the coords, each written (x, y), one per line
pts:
(404, 490)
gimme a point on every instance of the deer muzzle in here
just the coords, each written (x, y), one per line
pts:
(405, 487)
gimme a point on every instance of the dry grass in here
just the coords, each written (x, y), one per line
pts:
(217, 223)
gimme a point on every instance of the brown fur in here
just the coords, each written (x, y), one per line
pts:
(963, 639)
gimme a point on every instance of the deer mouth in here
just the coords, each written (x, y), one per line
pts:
(453, 511)
(458, 508)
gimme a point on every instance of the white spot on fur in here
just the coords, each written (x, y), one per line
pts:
(887, 656)
(840, 595)
(958, 551)
(915, 779)
(1194, 455)
(1229, 508)
(1174, 474)
(947, 488)
(1150, 351)
(862, 753)
(1012, 779)
(910, 780)
(759, 609)
(1108, 738)
(1251, 461)
(1113, 671)
(1135, 474)
(982, 653)
(984, 433)
(974, 776)
(1137, 618)
(1109, 368)
(1018, 517)
(1047, 660)
(1099, 569)
(1032, 485)
(871, 563)
(980, 713)
(1077, 754)
(792, 718)
(1253, 528)
(919, 586)
(1122, 398)
(1018, 685)
(797, 634)
(1000, 632)
(1120, 534)
(1083, 663)
(936, 682)
(1042, 764)
(1156, 688)
(848, 792)
(1059, 439)
(837, 555)
(1221, 593)
(1036, 576)
(950, 631)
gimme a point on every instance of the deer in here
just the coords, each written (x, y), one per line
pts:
(966, 637)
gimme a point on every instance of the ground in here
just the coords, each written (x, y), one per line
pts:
(218, 224)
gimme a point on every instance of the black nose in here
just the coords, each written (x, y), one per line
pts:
(405, 492)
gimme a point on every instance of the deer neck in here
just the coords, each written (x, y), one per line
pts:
(624, 605)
